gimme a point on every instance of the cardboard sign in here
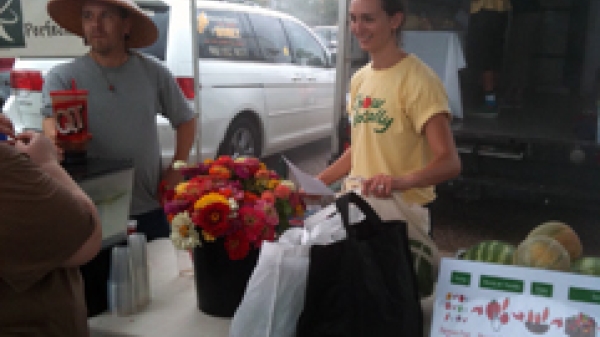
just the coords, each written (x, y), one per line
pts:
(475, 299)
(27, 30)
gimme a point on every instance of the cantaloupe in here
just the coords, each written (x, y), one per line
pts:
(587, 265)
(542, 252)
(491, 251)
(562, 233)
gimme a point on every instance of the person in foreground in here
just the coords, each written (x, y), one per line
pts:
(127, 90)
(48, 228)
(401, 137)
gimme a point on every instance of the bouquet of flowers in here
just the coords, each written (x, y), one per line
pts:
(239, 200)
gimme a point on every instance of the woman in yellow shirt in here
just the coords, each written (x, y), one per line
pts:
(401, 137)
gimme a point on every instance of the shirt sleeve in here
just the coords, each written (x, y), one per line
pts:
(175, 106)
(42, 223)
(430, 98)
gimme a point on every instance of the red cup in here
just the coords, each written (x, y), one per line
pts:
(70, 112)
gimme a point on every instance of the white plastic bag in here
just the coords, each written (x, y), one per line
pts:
(274, 297)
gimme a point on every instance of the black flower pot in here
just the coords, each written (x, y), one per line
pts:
(221, 282)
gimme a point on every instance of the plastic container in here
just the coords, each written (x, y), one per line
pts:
(140, 276)
(121, 298)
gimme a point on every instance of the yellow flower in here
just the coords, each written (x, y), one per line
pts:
(208, 237)
(208, 161)
(272, 184)
(289, 184)
(299, 210)
(181, 188)
(209, 199)
(262, 166)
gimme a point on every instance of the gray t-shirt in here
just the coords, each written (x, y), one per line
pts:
(122, 121)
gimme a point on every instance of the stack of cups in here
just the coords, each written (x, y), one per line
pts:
(120, 286)
(129, 280)
(141, 276)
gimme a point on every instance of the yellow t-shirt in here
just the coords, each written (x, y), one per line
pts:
(492, 5)
(388, 111)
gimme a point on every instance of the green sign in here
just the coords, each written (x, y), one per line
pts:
(460, 278)
(542, 289)
(584, 295)
(11, 24)
(500, 283)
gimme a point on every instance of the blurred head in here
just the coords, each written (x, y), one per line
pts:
(106, 27)
(100, 20)
(376, 23)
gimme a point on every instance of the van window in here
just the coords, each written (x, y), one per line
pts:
(160, 16)
(306, 50)
(271, 38)
(225, 35)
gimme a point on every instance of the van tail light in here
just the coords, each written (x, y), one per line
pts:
(186, 84)
(6, 64)
(31, 80)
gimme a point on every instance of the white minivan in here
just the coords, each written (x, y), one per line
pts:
(266, 82)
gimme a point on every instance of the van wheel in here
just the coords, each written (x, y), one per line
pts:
(242, 139)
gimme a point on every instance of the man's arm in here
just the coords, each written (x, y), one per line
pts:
(185, 134)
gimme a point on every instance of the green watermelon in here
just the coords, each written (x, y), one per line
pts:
(492, 251)
(587, 265)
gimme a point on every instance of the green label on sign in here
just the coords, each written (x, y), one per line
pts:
(11, 24)
(460, 278)
(502, 284)
(542, 289)
(584, 295)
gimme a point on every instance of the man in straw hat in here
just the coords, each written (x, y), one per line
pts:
(126, 90)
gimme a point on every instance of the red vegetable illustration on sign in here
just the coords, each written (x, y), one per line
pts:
(536, 322)
(496, 313)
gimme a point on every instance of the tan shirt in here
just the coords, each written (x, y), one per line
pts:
(388, 111)
(41, 225)
(492, 5)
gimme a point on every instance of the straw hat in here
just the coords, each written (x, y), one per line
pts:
(67, 13)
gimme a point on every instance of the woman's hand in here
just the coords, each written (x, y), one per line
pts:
(40, 148)
(6, 126)
(380, 186)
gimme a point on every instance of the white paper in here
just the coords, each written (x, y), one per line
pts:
(309, 184)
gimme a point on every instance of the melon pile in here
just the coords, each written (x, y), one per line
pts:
(552, 245)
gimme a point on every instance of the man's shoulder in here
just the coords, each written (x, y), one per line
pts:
(74, 65)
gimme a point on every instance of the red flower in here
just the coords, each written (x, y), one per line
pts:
(367, 102)
(237, 245)
(226, 161)
(253, 220)
(213, 219)
(250, 197)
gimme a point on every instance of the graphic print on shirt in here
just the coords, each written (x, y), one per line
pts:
(366, 109)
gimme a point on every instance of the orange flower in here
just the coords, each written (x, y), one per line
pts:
(219, 171)
(282, 192)
(268, 196)
(262, 174)
(224, 161)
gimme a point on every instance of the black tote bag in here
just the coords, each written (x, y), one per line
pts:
(364, 285)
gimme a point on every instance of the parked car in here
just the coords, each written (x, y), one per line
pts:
(328, 35)
(6, 65)
(266, 80)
